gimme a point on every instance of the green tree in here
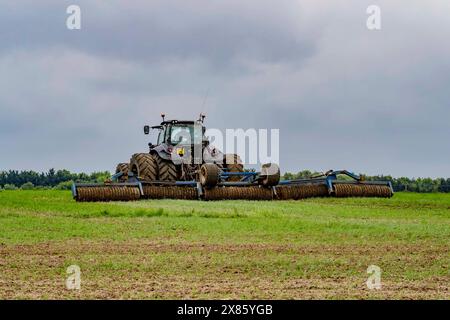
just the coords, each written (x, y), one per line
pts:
(27, 186)
(65, 185)
(9, 187)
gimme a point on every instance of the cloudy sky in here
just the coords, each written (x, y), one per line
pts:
(343, 97)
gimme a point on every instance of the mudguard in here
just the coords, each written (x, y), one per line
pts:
(162, 151)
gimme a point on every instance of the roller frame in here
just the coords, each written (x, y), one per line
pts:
(330, 179)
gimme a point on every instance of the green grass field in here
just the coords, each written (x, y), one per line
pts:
(316, 248)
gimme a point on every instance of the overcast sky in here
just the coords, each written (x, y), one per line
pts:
(343, 97)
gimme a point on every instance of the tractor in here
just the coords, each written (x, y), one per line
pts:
(180, 153)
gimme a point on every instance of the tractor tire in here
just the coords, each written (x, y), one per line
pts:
(123, 167)
(144, 166)
(209, 175)
(167, 170)
(270, 174)
(233, 163)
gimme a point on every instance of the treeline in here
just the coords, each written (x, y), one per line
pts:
(421, 185)
(61, 179)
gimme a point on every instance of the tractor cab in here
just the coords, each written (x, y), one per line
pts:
(179, 132)
(183, 133)
(180, 138)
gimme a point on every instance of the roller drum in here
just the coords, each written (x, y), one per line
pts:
(296, 192)
(362, 190)
(170, 192)
(238, 193)
(107, 193)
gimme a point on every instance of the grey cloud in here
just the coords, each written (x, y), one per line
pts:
(218, 32)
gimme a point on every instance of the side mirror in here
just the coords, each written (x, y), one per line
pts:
(146, 129)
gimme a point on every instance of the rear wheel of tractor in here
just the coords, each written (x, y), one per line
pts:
(167, 170)
(123, 168)
(144, 166)
(233, 163)
(209, 175)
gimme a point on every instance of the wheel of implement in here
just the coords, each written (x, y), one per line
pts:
(209, 175)
(166, 169)
(144, 166)
(233, 163)
(123, 168)
(270, 175)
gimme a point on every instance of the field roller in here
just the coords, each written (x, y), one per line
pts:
(183, 165)
(251, 186)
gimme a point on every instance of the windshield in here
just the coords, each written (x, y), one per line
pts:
(186, 134)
